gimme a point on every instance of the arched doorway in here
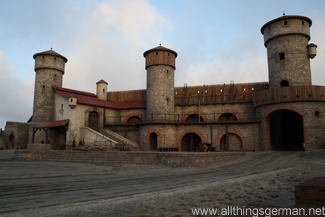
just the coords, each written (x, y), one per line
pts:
(153, 141)
(190, 142)
(133, 120)
(234, 143)
(286, 130)
(93, 121)
(11, 143)
(194, 118)
(227, 117)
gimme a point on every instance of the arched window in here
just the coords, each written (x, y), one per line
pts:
(228, 117)
(133, 120)
(194, 118)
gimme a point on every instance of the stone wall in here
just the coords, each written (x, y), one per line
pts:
(196, 159)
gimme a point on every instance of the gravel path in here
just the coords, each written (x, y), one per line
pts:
(69, 189)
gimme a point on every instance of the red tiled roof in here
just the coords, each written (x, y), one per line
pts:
(75, 91)
(59, 123)
(91, 99)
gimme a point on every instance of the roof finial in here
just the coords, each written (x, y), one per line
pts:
(51, 47)
(284, 13)
(160, 43)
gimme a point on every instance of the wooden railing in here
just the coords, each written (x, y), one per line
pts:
(289, 94)
(225, 98)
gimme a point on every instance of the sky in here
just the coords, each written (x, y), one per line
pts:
(217, 41)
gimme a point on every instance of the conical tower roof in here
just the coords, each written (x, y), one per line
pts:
(52, 53)
(159, 48)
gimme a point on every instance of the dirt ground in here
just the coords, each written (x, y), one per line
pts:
(270, 187)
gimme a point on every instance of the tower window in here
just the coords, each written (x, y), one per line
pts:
(317, 113)
(156, 53)
(284, 83)
(303, 22)
(282, 56)
(55, 75)
(103, 90)
(285, 23)
(55, 58)
(43, 86)
(167, 71)
(71, 100)
(269, 27)
(168, 54)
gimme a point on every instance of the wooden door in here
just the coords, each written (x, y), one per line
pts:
(93, 121)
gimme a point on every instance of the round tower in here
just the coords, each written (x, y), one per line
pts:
(49, 68)
(160, 66)
(102, 89)
(286, 39)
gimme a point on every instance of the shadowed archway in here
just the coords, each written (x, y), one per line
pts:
(190, 142)
(286, 130)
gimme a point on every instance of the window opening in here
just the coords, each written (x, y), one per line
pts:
(282, 56)
(285, 23)
(303, 22)
(269, 27)
(284, 83)
(317, 113)
(156, 53)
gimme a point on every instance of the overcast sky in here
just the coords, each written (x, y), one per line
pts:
(216, 40)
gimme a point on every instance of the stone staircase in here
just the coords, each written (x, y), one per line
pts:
(100, 157)
(121, 140)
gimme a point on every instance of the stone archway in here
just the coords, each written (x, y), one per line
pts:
(286, 130)
(234, 142)
(190, 142)
(153, 141)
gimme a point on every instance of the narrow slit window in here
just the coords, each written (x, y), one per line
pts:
(285, 22)
(282, 56)
(43, 86)
(317, 113)
(303, 22)
(71, 100)
(269, 27)
(156, 53)
(103, 90)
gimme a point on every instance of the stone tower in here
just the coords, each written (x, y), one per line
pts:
(49, 68)
(160, 66)
(101, 89)
(286, 39)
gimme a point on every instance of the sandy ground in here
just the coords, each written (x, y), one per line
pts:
(274, 188)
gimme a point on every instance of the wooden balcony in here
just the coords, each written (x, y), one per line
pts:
(302, 93)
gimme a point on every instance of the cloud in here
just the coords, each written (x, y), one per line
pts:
(15, 94)
(219, 71)
(109, 44)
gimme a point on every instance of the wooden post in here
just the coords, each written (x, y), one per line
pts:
(227, 138)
